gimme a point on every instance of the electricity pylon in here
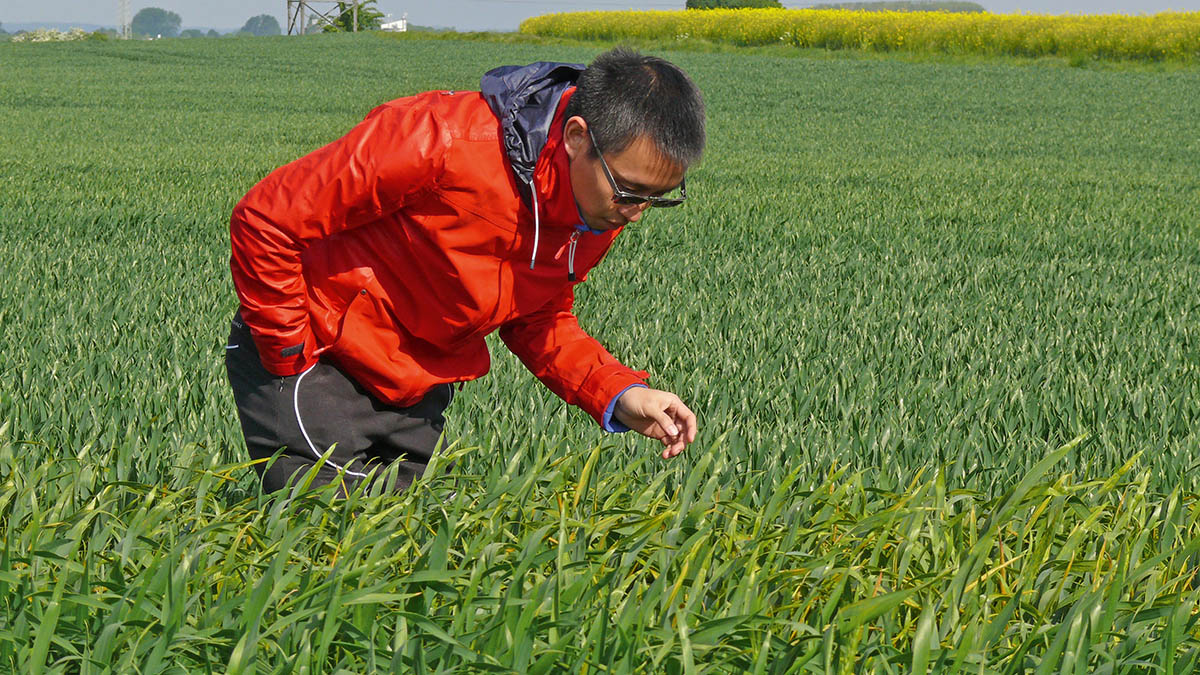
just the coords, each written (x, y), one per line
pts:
(305, 14)
(124, 31)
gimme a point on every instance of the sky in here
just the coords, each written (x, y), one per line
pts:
(465, 15)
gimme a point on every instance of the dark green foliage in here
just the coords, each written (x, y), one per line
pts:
(734, 4)
(263, 24)
(153, 21)
(192, 33)
(369, 17)
(915, 6)
(212, 33)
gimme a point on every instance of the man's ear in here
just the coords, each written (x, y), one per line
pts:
(575, 137)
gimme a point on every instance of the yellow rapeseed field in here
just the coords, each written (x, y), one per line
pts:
(1169, 35)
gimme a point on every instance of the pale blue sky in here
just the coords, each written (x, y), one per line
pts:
(474, 14)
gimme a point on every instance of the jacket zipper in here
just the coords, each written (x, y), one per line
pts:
(571, 243)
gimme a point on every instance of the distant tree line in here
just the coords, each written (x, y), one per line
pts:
(892, 6)
(157, 22)
(734, 4)
(261, 25)
(918, 6)
(197, 33)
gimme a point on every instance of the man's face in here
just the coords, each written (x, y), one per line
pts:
(639, 168)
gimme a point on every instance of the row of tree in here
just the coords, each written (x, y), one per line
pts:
(884, 6)
(733, 4)
(920, 6)
(157, 22)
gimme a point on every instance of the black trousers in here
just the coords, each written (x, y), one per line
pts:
(309, 413)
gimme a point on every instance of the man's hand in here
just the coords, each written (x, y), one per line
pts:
(659, 415)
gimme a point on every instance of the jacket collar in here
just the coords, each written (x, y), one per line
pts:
(530, 102)
(552, 175)
(526, 101)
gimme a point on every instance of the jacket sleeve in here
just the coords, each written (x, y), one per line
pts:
(395, 152)
(566, 359)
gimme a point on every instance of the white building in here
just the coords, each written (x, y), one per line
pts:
(400, 26)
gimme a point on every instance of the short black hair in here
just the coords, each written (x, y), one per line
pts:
(624, 95)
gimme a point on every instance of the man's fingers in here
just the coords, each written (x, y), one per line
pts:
(662, 416)
(689, 424)
(666, 424)
(673, 445)
(686, 418)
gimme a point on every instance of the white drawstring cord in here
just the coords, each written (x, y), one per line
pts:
(571, 255)
(304, 432)
(536, 223)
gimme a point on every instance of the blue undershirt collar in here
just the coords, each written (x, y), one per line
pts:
(583, 226)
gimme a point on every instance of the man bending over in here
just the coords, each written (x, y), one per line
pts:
(369, 271)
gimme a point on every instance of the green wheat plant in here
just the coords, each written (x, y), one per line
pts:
(938, 321)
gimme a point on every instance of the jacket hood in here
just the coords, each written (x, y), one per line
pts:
(525, 99)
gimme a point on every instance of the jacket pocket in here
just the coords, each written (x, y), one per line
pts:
(333, 300)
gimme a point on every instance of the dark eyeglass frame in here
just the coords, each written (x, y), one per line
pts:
(626, 198)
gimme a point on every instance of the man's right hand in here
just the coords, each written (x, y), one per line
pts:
(659, 415)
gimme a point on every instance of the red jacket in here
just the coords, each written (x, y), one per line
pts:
(394, 250)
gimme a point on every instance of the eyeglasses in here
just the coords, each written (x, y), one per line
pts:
(626, 198)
